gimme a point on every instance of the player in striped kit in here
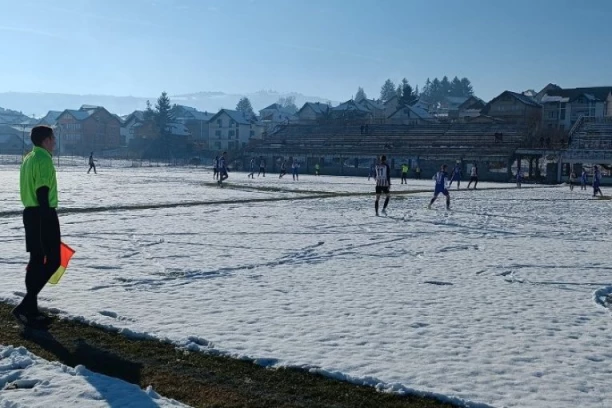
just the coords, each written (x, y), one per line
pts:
(383, 183)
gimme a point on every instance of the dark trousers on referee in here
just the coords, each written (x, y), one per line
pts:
(43, 241)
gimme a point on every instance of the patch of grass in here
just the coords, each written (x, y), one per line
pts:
(196, 379)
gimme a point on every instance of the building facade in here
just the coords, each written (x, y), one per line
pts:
(88, 129)
(232, 130)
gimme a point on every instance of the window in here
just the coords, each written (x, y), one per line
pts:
(218, 134)
(71, 137)
(231, 133)
(252, 133)
(232, 123)
(219, 123)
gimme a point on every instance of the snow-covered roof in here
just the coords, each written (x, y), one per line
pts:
(371, 104)
(79, 114)
(351, 105)
(318, 107)
(236, 116)
(50, 118)
(417, 111)
(554, 99)
(274, 106)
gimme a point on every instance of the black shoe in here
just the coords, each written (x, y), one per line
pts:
(34, 320)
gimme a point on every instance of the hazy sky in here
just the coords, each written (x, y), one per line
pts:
(324, 48)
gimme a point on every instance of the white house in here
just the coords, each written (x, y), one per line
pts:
(232, 130)
(561, 108)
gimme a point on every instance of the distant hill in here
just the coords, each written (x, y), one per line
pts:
(40, 103)
(8, 116)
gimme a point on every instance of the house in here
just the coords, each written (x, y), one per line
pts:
(391, 106)
(410, 115)
(561, 108)
(312, 111)
(195, 121)
(514, 107)
(90, 128)
(448, 107)
(50, 119)
(376, 108)
(471, 108)
(421, 104)
(276, 114)
(232, 130)
(351, 111)
(14, 140)
(131, 126)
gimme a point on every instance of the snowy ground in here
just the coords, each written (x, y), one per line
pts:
(30, 381)
(500, 301)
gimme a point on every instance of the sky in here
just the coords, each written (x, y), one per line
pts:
(319, 47)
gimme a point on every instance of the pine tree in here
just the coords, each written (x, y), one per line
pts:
(435, 91)
(417, 94)
(466, 87)
(360, 95)
(162, 116)
(407, 96)
(427, 89)
(387, 91)
(163, 113)
(456, 87)
(149, 112)
(244, 106)
(445, 88)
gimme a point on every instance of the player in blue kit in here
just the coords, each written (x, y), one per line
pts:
(222, 169)
(596, 182)
(441, 179)
(584, 177)
(456, 176)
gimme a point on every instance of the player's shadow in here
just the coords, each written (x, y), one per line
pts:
(98, 361)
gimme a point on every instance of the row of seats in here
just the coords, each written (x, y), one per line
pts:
(593, 135)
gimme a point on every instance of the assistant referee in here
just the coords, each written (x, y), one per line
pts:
(38, 188)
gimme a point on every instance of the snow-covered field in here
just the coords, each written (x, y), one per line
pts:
(499, 302)
(30, 381)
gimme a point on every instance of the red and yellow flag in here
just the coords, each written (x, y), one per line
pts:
(66, 254)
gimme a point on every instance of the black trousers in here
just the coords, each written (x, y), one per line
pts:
(43, 241)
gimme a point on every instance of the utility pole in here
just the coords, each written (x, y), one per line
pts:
(22, 140)
(59, 147)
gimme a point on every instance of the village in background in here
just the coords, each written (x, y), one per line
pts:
(444, 121)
